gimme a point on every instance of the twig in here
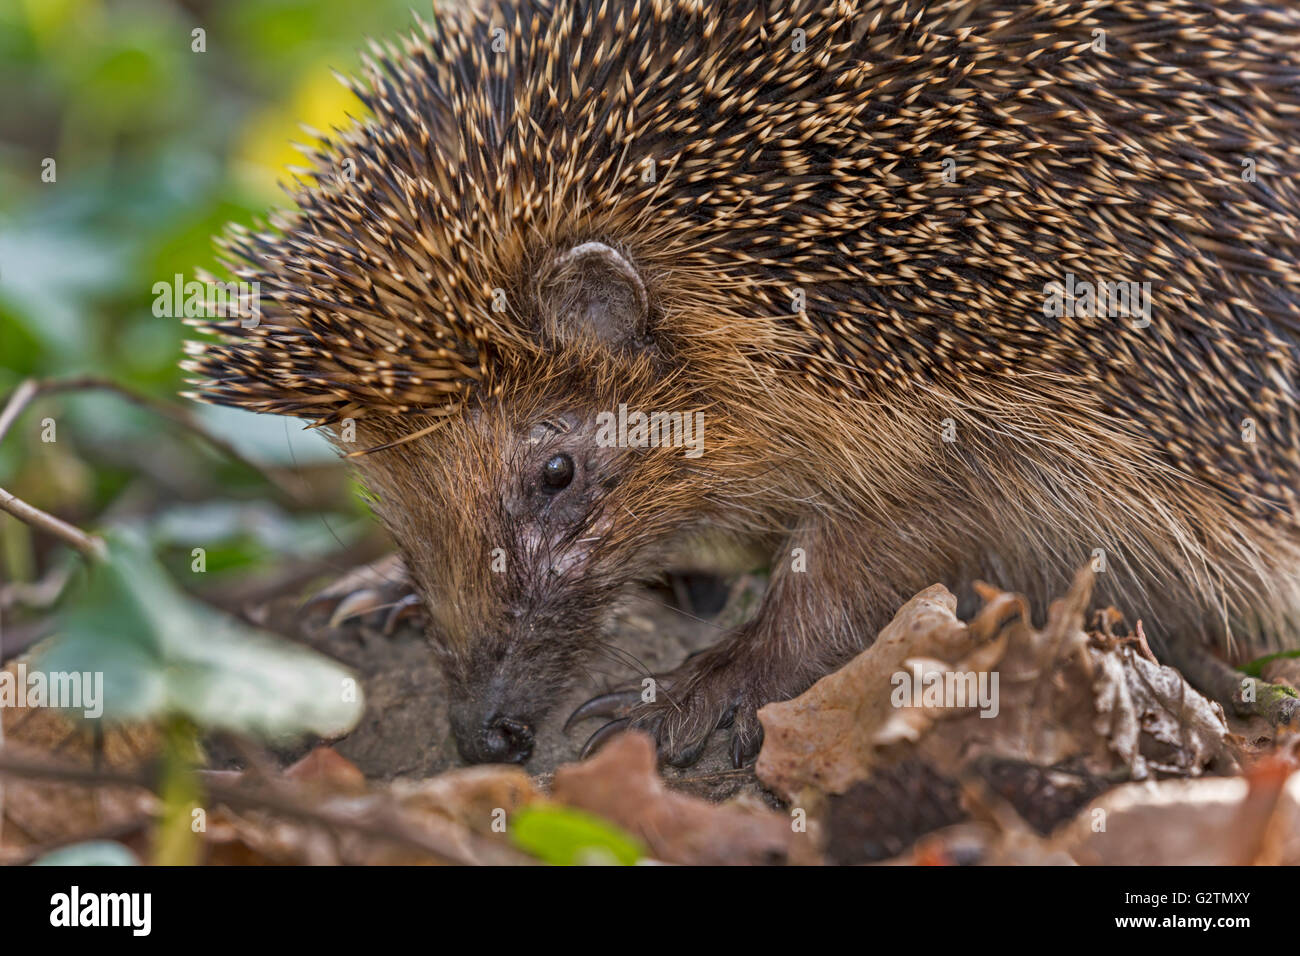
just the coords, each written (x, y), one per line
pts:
(88, 545)
(92, 547)
(15, 766)
(17, 402)
(172, 413)
(39, 594)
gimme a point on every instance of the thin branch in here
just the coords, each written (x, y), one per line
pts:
(89, 546)
(173, 413)
(38, 594)
(92, 547)
(16, 766)
(21, 397)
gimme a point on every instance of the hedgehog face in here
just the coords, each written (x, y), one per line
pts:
(522, 532)
(522, 519)
(548, 584)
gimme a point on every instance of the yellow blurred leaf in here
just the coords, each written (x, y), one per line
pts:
(50, 18)
(267, 149)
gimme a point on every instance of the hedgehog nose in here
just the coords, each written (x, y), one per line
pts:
(501, 740)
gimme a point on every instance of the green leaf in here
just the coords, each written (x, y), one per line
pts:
(162, 653)
(269, 440)
(566, 837)
(213, 523)
(1255, 668)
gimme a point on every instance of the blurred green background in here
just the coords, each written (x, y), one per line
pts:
(156, 148)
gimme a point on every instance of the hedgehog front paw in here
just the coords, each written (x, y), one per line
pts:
(381, 590)
(712, 690)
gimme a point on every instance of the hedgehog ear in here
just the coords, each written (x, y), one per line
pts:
(593, 291)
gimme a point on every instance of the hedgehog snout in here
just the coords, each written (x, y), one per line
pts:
(490, 737)
(501, 740)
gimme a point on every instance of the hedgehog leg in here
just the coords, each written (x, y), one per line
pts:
(685, 706)
(713, 690)
(801, 631)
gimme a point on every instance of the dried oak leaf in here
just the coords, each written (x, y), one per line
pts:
(327, 769)
(833, 735)
(1060, 701)
(473, 797)
(621, 784)
(37, 813)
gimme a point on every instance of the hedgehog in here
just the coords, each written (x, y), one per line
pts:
(941, 290)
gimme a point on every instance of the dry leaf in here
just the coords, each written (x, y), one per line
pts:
(1051, 717)
(620, 783)
(38, 813)
(473, 797)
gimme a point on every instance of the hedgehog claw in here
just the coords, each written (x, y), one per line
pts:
(688, 754)
(737, 751)
(712, 696)
(405, 607)
(598, 739)
(380, 587)
(745, 745)
(614, 704)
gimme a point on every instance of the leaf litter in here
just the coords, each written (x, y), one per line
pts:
(1086, 751)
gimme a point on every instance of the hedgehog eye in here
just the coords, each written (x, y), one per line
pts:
(558, 472)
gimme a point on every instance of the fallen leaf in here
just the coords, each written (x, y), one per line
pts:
(324, 767)
(1043, 719)
(39, 812)
(478, 798)
(620, 783)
